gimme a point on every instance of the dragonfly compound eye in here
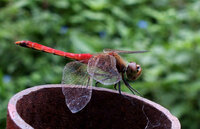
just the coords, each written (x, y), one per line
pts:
(139, 70)
(133, 71)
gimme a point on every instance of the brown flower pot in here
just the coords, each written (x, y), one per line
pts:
(43, 107)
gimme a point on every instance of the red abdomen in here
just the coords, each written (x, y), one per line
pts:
(43, 48)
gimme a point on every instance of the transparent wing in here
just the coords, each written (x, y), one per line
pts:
(122, 51)
(76, 98)
(103, 69)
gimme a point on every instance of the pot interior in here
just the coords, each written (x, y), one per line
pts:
(46, 108)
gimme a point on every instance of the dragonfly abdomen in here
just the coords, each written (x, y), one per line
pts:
(43, 48)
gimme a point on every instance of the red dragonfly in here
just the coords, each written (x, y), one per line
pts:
(107, 68)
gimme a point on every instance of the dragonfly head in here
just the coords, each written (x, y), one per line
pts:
(133, 71)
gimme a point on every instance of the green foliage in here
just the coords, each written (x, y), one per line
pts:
(168, 29)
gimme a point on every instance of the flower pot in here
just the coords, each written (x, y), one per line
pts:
(43, 107)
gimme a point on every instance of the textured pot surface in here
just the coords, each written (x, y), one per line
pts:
(43, 107)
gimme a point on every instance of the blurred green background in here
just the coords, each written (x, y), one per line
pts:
(169, 29)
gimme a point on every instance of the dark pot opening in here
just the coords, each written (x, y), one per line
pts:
(43, 107)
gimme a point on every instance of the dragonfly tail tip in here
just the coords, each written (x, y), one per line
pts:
(18, 42)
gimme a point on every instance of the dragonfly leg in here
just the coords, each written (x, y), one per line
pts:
(96, 84)
(129, 86)
(119, 87)
(115, 86)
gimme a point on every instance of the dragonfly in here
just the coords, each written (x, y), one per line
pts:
(107, 68)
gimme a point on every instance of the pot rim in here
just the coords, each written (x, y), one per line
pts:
(12, 111)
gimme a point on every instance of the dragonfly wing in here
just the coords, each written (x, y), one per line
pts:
(78, 97)
(103, 69)
(122, 51)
